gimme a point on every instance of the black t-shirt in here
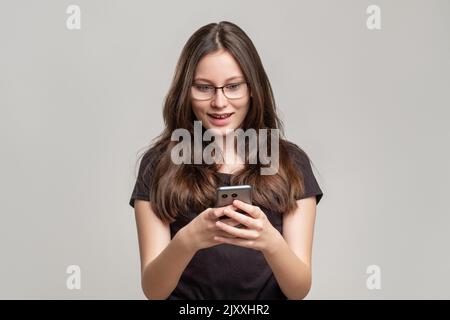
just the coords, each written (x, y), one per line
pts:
(225, 271)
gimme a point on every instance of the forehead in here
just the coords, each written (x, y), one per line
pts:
(218, 67)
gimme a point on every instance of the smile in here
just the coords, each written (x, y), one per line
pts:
(220, 115)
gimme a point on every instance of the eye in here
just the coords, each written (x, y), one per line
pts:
(203, 87)
(233, 86)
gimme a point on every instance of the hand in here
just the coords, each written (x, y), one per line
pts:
(259, 234)
(200, 232)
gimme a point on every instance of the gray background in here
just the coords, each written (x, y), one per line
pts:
(369, 107)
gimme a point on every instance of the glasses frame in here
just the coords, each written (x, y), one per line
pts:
(215, 89)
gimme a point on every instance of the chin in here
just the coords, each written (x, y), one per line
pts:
(222, 130)
(219, 130)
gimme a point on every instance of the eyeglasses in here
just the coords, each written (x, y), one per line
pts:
(230, 91)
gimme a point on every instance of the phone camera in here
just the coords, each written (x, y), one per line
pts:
(224, 195)
(234, 195)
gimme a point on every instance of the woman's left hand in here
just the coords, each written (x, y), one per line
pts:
(259, 233)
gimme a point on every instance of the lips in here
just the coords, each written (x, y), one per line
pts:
(220, 119)
(220, 115)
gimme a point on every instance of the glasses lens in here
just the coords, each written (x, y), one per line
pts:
(202, 92)
(231, 91)
(235, 90)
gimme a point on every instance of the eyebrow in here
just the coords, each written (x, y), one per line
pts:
(203, 79)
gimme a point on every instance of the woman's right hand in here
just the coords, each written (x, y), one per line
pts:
(200, 232)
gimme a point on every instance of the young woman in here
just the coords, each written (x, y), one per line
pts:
(186, 252)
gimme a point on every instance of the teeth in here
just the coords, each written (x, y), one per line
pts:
(221, 116)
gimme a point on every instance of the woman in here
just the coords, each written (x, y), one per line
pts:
(186, 252)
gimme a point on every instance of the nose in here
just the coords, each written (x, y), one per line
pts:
(219, 100)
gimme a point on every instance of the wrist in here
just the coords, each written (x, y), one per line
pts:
(274, 244)
(185, 240)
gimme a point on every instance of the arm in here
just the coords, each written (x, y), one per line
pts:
(162, 260)
(290, 259)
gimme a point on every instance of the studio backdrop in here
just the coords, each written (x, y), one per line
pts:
(362, 86)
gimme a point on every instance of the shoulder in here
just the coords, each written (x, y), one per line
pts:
(303, 164)
(300, 160)
(296, 154)
(149, 160)
(151, 156)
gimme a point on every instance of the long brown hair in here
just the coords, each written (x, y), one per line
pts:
(177, 189)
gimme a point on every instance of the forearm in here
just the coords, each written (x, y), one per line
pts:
(292, 274)
(161, 276)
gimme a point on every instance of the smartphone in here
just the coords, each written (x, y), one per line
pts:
(226, 195)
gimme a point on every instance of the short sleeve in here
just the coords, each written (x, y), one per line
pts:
(302, 162)
(142, 187)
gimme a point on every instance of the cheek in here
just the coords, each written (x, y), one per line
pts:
(243, 110)
(198, 109)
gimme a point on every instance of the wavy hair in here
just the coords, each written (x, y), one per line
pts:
(177, 189)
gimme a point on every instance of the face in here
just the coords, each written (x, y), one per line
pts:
(218, 69)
